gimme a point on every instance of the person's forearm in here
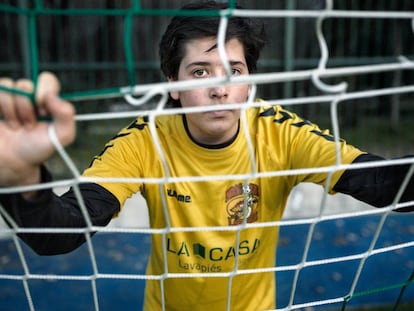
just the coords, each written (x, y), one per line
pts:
(46, 210)
(377, 186)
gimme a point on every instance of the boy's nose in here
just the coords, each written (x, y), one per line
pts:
(218, 91)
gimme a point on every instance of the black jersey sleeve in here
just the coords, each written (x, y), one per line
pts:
(51, 211)
(377, 186)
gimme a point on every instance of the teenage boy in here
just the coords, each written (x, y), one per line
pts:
(194, 144)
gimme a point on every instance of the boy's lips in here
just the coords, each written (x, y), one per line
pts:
(219, 113)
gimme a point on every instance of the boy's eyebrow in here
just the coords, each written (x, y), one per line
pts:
(203, 64)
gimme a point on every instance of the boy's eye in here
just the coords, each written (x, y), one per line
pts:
(200, 73)
(203, 73)
(235, 72)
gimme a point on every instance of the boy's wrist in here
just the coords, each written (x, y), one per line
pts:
(39, 175)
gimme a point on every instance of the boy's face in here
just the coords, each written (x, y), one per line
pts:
(202, 61)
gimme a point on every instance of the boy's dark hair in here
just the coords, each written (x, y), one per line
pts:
(184, 28)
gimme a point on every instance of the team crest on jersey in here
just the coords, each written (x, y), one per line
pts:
(242, 202)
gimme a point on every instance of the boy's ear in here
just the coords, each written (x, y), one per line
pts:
(174, 94)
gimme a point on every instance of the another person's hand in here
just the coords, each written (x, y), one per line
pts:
(24, 139)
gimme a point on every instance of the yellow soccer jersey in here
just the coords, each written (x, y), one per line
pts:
(280, 141)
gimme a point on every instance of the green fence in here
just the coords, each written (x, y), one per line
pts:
(90, 44)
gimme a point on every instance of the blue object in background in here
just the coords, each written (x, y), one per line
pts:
(127, 253)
